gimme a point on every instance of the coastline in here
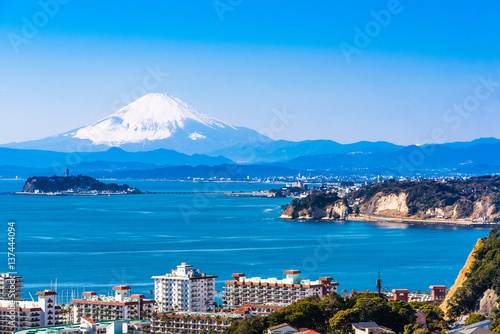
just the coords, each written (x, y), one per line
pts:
(407, 221)
(410, 221)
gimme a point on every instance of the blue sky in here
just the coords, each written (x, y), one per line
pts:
(415, 68)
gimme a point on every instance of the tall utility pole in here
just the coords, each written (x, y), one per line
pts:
(379, 282)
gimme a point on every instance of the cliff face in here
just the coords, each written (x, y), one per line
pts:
(389, 205)
(487, 302)
(338, 210)
(473, 199)
(461, 278)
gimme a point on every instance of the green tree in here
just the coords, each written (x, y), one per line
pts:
(473, 318)
(342, 321)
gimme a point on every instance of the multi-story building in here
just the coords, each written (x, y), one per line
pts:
(437, 295)
(88, 326)
(122, 305)
(193, 322)
(185, 289)
(261, 310)
(10, 287)
(20, 314)
(255, 290)
(438, 292)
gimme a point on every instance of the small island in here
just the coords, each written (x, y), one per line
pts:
(73, 185)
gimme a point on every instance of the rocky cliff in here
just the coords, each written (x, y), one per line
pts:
(478, 283)
(462, 276)
(318, 206)
(473, 199)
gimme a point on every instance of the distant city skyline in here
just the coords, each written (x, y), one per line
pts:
(396, 71)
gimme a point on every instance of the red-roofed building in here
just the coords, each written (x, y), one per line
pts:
(400, 294)
(244, 290)
(260, 310)
(194, 322)
(89, 294)
(120, 306)
(438, 292)
(28, 314)
(46, 293)
(90, 321)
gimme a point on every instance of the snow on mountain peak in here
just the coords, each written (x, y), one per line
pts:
(152, 117)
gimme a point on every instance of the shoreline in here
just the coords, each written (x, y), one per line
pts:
(410, 221)
(407, 221)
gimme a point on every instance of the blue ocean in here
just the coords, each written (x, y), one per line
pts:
(96, 242)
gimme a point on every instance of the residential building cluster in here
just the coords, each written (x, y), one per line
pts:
(16, 314)
(184, 302)
(436, 295)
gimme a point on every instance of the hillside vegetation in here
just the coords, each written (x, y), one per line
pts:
(472, 199)
(484, 274)
(335, 314)
(72, 183)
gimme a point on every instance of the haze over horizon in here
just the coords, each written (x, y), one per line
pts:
(242, 64)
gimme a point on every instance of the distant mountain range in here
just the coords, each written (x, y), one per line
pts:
(159, 132)
(155, 121)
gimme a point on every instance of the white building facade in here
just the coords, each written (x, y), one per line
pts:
(19, 314)
(122, 305)
(10, 286)
(185, 289)
(255, 290)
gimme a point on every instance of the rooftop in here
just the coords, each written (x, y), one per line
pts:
(279, 326)
(465, 329)
(364, 325)
(290, 279)
(46, 293)
(206, 314)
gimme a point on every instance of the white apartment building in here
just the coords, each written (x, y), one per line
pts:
(185, 289)
(193, 322)
(10, 287)
(18, 314)
(122, 305)
(88, 326)
(255, 290)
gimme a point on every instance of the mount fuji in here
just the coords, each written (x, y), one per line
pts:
(154, 121)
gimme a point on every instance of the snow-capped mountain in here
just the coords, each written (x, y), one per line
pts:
(154, 121)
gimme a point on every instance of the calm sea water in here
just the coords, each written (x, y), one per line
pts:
(96, 242)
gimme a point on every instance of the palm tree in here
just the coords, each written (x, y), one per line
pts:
(164, 320)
